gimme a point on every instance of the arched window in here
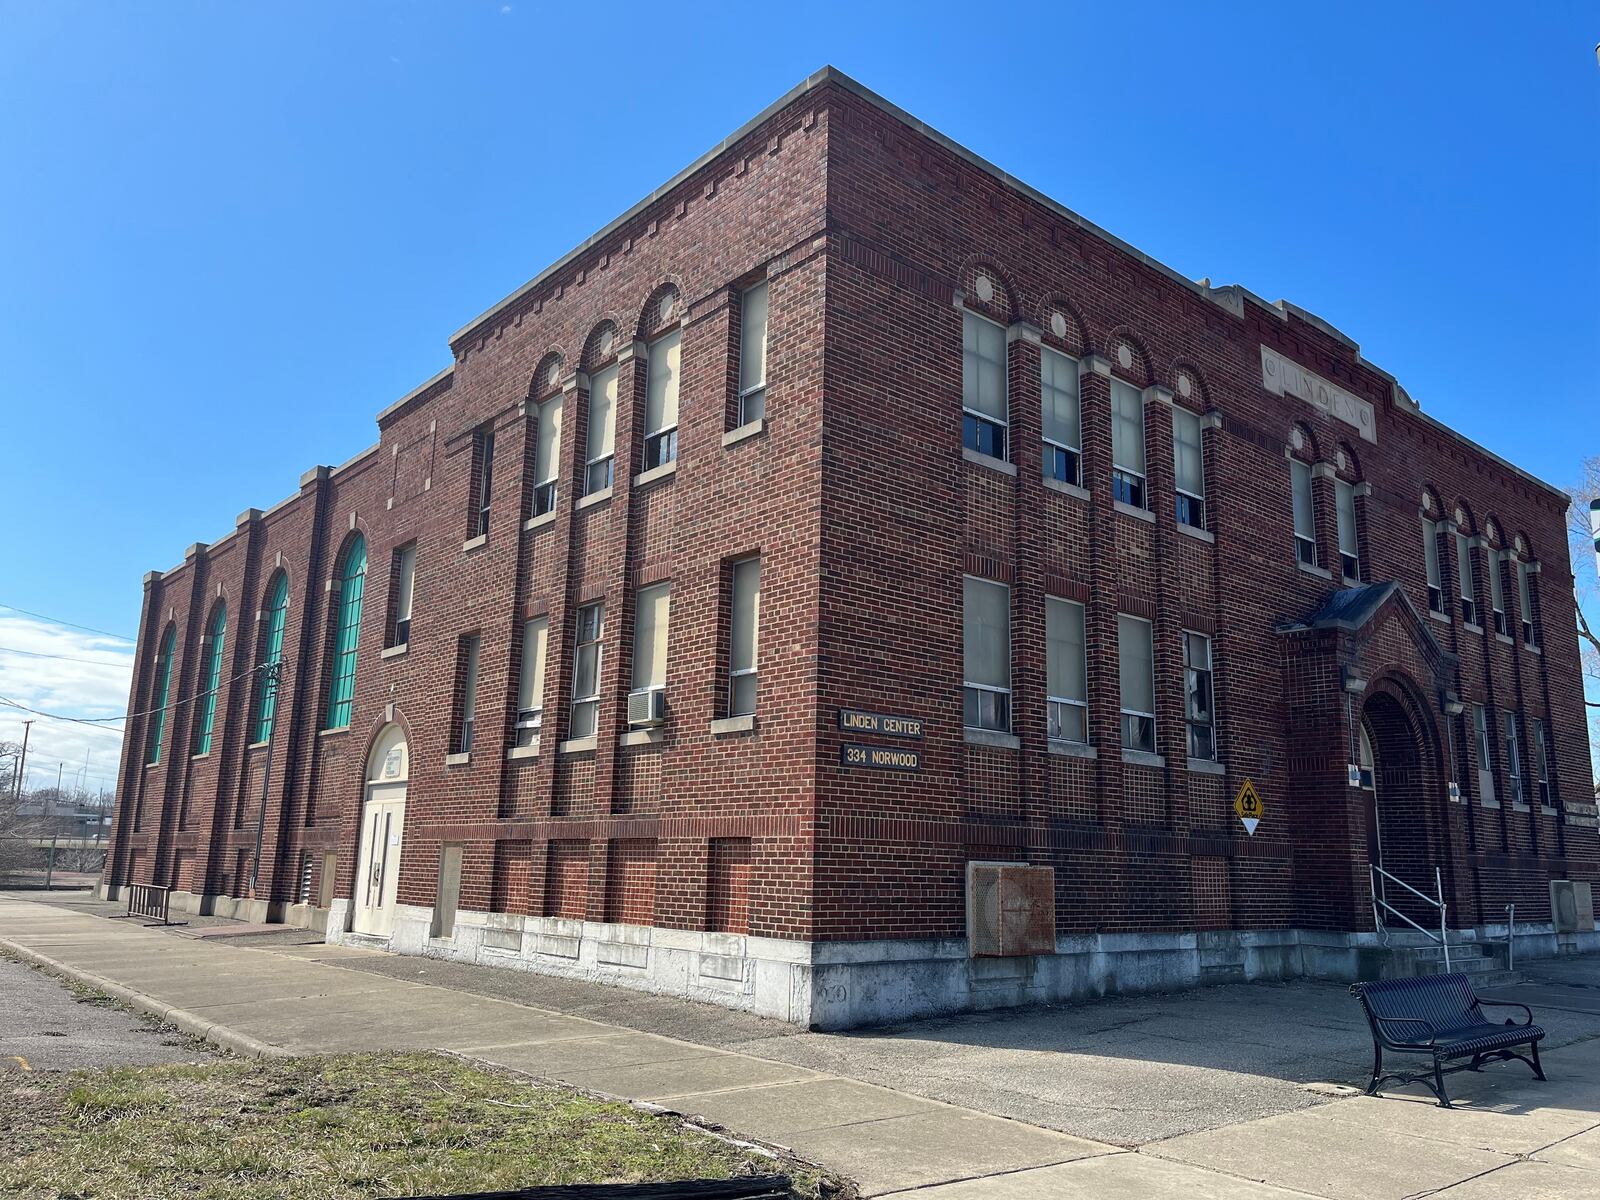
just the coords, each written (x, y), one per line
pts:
(347, 632)
(206, 717)
(158, 723)
(266, 690)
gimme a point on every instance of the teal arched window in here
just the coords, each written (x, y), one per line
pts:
(346, 633)
(158, 718)
(206, 716)
(277, 609)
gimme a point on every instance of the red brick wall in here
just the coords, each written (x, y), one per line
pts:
(728, 885)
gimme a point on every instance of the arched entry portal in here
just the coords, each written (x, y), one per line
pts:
(383, 817)
(1402, 818)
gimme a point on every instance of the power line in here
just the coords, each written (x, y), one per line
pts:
(71, 624)
(99, 722)
(91, 723)
(93, 662)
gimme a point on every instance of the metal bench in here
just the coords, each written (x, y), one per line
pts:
(1441, 1016)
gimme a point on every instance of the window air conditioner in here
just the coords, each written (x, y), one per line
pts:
(647, 708)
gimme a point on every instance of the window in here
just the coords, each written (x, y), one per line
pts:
(530, 681)
(1513, 758)
(661, 402)
(1136, 664)
(206, 717)
(1364, 763)
(158, 719)
(1063, 420)
(983, 386)
(602, 430)
(1430, 556)
(1200, 710)
(986, 651)
(546, 457)
(586, 671)
(404, 575)
(1530, 634)
(1541, 761)
(1480, 729)
(346, 634)
(651, 613)
(483, 458)
(1189, 473)
(1066, 671)
(1469, 607)
(1345, 508)
(744, 637)
(1305, 513)
(467, 655)
(1127, 443)
(277, 610)
(1497, 592)
(753, 354)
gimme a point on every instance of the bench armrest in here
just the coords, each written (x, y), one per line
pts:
(1527, 1013)
(1433, 1034)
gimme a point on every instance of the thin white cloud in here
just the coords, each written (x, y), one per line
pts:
(76, 674)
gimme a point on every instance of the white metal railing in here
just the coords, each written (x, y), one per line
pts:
(1380, 905)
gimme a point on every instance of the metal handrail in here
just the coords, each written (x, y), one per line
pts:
(1442, 937)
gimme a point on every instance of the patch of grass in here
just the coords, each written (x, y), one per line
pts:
(338, 1128)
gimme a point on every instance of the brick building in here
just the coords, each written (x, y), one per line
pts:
(843, 520)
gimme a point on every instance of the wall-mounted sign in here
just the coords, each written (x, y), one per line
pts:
(856, 720)
(1284, 378)
(1247, 806)
(882, 758)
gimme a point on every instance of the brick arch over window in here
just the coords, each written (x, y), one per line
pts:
(265, 688)
(1347, 463)
(546, 378)
(1461, 513)
(1432, 506)
(1494, 531)
(662, 311)
(1063, 325)
(1004, 300)
(1198, 395)
(601, 345)
(1123, 343)
(1305, 446)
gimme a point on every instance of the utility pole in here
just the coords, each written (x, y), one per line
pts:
(50, 863)
(22, 767)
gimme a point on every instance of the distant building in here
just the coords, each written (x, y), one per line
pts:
(852, 586)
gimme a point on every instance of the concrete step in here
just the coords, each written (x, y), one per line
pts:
(1497, 979)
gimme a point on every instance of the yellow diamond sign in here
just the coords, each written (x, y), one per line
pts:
(1247, 804)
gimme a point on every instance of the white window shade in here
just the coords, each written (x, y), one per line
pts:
(986, 637)
(1187, 460)
(746, 621)
(1136, 664)
(1305, 525)
(1065, 668)
(547, 452)
(753, 338)
(602, 413)
(1497, 596)
(1524, 592)
(1346, 494)
(651, 609)
(1059, 378)
(406, 583)
(661, 394)
(1464, 565)
(983, 367)
(1127, 427)
(530, 680)
(1430, 551)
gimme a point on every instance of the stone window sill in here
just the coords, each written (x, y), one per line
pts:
(1207, 766)
(665, 471)
(531, 750)
(593, 498)
(1128, 510)
(1489, 803)
(1531, 649)
(149, 765)
(1471, 628)
(395, 651)
(339, 732)
(1319, 572)
(1067, 489)
(471, 544)
(1199, 535)
(1546, 810)
(1515, 807)
(458, 760)
(744, 432)
(543, 519)
(200, 757)
(1142, 758)
(986, 460)
(256, 746)
(1348, 582)
(744, 724)
(577, 746)
(1072, 749)
(643, 737)
(991, 737)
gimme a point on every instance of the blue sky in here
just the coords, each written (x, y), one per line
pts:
(232, 226)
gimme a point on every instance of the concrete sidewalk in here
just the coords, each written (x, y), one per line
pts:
(1517, 1137)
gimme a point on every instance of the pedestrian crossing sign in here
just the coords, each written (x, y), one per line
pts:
(1247, 805)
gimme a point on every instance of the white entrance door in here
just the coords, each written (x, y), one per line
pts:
(378, 869)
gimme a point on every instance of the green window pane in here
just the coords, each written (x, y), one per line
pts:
(271, 652)
(207, 715)
(342, 681)
(158, 719)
